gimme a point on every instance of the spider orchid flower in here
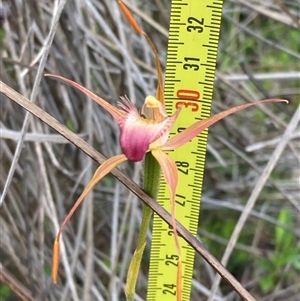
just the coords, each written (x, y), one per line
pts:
(142, 132)
(139, 135)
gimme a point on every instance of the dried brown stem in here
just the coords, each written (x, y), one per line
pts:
(90, 151)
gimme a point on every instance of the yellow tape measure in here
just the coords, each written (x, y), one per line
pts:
(191, 59)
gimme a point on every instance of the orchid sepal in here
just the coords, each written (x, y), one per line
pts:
(199, 126)
(136, 27)
(170, 173)
(118, 115)
(101, 172)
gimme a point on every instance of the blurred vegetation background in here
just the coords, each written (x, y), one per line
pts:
(93, 45)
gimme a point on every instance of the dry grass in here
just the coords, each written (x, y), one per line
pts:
(252, 170)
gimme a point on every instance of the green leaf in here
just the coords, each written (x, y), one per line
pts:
(70, 125)
(283, 237)
(47, 270)
(266, 264)
(2, 36)
(267, 283)
(281, 259)
(296, 262)
(5, 291)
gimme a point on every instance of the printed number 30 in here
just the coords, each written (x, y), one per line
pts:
(194, 106)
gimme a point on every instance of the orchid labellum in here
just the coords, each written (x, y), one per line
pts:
(143, 132)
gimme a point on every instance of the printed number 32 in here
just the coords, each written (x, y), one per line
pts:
(196, 24)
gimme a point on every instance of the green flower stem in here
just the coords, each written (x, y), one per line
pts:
(151, 186)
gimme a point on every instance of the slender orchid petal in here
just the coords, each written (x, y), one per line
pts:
(119, 115)
(196, 128)
(102, 171)
(170, 172)
(165, 134)
(160, 87)
(129, 17)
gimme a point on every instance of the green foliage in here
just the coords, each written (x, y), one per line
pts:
(2, 35)
(70, 125)
(267, 282)
(223, 230)
(286, 252)
(282, 237)
(48, 270)
(5, 292)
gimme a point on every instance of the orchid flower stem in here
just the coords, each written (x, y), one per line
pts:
(151, 186)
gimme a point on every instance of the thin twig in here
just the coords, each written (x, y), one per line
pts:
(14, 285)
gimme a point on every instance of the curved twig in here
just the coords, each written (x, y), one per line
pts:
(158, 209)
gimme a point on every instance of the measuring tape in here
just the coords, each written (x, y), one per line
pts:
(189, 80)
